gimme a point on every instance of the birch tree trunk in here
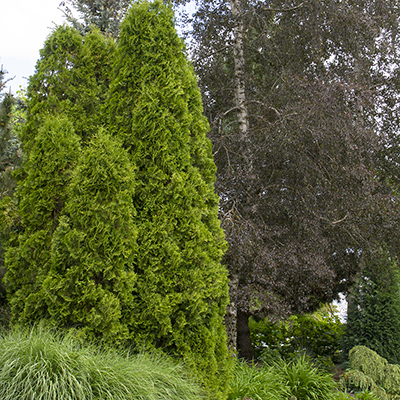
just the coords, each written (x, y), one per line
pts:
(243, 127)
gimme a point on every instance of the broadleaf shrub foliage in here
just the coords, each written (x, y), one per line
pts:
(318, 334)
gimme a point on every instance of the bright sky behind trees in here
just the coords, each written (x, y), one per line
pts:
(24, 26)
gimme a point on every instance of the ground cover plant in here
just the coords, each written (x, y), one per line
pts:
(40, 363)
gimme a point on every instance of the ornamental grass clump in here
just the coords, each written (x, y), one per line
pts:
(42, 364)
(304, 381)
(256, 382)
(297, 379)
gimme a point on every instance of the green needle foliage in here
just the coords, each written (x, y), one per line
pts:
(369, 371)
(91, 279)
(64, 99)
(374, 308)
(154, 107)
(41, 364)
(40, 199)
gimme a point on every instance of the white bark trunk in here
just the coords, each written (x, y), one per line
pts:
(238, 51)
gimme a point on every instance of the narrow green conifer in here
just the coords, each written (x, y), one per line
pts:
(64, 99)
(40, 199)
(91, 279)
(155, 108)
(71, 77)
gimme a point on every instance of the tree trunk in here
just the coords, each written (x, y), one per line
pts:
(231, 314)
(240, 84)
(243, 336)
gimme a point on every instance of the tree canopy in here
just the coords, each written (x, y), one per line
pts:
(298, 97)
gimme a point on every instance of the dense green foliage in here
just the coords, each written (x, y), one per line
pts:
(42, 364)
(63, 98)
(318, 334)
(122, 244)
(369, 371)
(91, 276)
(72, 76)
(374, 308)
(41, 196)
(154, 107)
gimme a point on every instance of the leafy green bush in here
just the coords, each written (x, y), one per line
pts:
(42, 364)
(317, 334)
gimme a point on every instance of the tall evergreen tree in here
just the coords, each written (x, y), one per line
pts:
(154, 107)
(91, 279)
(374, 308)
(64, 99)
(72, 77)
(40, 199)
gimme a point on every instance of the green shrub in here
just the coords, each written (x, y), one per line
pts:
(155, 109)
(318, 334)
(91, 278)
(42, 364)
(40, 199)
(370, 372)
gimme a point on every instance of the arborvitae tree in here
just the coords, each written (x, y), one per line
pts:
(40, 199)
(6, 182)
(155, 108)
(374, 308)
(72, 77)
(91, 278)
(71, 81)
